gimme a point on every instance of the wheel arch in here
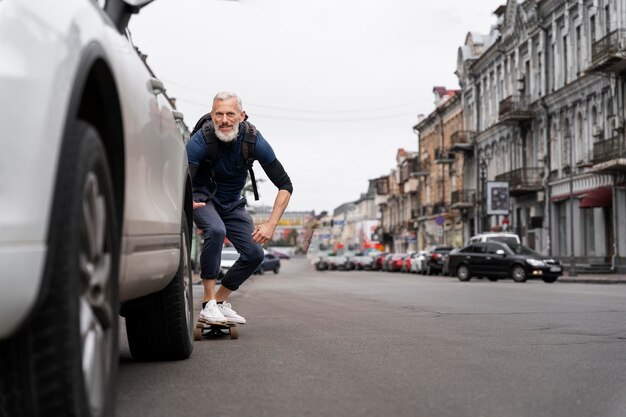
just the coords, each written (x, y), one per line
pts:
(93, 77)
(99, 105)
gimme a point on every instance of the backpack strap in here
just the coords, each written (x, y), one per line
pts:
(212, 144)
(248, 148)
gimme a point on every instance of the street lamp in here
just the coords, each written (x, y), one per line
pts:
(483, 189)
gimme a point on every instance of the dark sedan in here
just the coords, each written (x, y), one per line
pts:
(495, 260)
(271, 262)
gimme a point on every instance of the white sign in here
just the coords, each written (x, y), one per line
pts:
(497, 197)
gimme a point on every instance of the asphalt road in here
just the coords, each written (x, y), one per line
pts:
(391, 344)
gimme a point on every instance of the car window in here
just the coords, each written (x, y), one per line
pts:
(492, 248)
(523, 250)
(479, 248)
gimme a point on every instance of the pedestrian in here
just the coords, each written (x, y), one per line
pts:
(219, 209)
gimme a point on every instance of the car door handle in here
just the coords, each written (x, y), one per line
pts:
(156, 86)
(178, 116)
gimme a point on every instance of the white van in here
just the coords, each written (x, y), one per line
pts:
(510, 239)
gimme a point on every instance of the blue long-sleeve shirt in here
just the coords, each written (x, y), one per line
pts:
(230, 168)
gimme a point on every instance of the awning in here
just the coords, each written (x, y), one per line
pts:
(599, 197)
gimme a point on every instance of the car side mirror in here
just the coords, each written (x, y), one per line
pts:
(501, 253)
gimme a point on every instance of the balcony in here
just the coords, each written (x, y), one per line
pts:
(523, 180)
(463, 199)
(609, 155)
(609, 53)
(462, 141)
(439, 207)
(515, 109)
(422, 169)
(443, 156)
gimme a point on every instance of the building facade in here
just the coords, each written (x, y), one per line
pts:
(543, 94)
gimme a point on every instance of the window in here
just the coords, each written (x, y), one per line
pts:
(607, 20)
(592, 31)
(578, 51)
(564, 59)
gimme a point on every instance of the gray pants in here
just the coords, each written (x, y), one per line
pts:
(232, 221)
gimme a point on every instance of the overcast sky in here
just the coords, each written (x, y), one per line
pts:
(335, 86)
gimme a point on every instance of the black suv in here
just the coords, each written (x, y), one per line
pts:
(495, 260)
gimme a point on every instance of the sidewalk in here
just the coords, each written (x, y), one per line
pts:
(593, 278)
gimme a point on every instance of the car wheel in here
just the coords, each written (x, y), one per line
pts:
(260, 271)
(463, 273)
(276, 270)
(549, 280)
(518, 274)
(160, 325)
(63, 361)
(428, 270)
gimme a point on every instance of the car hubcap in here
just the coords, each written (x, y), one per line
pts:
(96, 311)
(463, 272)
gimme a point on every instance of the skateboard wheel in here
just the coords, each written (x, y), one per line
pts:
(197, 333)
(234, 332)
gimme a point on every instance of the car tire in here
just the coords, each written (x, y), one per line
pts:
(463, 273)
(260, 271)
(550, 280)
(160, 326)
(63, 360)
(518, 273)
(276, 270)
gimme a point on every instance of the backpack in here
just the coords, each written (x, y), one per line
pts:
(212, 142)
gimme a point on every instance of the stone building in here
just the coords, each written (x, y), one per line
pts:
(543, 95)
(440, 174)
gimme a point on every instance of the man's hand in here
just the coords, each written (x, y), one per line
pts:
(198, 205)
(263, 233)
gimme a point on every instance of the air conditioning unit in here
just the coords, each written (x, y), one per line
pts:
(617, 123)
(596, 131)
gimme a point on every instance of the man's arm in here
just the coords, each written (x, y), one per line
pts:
(264, 232)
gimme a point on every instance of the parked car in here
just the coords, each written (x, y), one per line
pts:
(395, 262)
(379, 261)
(365, 263)
(321, 264)
(434, 259)
(408, 259)
(228, 258)
(95, 214)
(338, 262)
(445, 264)
(510, 239)
(495, 260)
(270, 262)
(418, 264)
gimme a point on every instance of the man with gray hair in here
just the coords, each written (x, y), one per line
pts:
(219, 207)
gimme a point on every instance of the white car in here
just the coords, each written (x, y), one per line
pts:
(229, 257)
(510, 239)
(95, 208)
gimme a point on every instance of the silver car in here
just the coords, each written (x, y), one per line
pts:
(95, 208)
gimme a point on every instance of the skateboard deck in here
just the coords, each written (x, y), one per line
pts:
(208, 330)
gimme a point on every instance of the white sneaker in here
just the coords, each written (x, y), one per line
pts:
(230, 314)
(212, 314)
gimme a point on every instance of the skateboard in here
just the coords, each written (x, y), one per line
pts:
(207, 330)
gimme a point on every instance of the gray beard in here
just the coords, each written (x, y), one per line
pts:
(228, 137)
